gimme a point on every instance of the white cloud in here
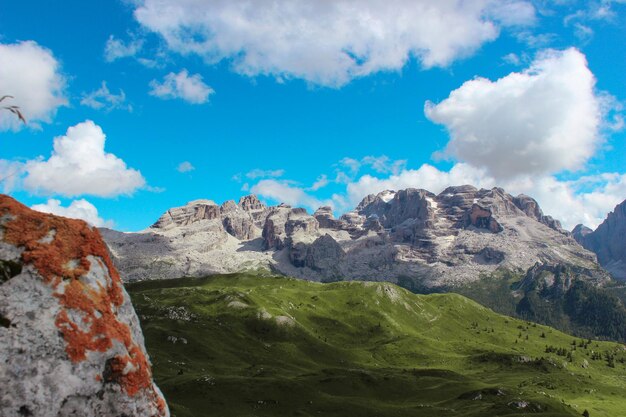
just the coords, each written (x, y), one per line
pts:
(329, 42)
(32, 75)
(352, 164)
(80, 165)
(427, 177)
(565, 201)
(78, 209)
(321, 182)
(383, 164)
(285, 192)
(512, 58)
(189, 88)
(102, 98)
(10, 174)
(115, 49)
(543, 120)
(185, 166)
(265, 173)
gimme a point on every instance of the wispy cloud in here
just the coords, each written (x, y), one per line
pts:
(185, 166)
(104, 99)
(115, 49)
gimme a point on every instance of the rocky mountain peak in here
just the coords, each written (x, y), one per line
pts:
(580, 231)
(251, 203)
(189, 213)
(65, 315)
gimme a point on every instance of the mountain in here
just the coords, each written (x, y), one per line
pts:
(608, 241)
(250, 344)
(412, 237)
(70, 341)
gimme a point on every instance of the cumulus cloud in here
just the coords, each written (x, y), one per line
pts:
(285, 192)
(185, 166)
(329, 42)
(79, 165)
(104, 99)
(32, 75)
(569, 201)
(115, 49)
(542, 120)
(78, 209)
(187, 87)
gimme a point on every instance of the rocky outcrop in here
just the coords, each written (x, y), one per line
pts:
(323, 255)
(554, 280)
(608, 241)
(580, 232)
(193, 212)
(433, 240)
(326, 219)
(70, 341)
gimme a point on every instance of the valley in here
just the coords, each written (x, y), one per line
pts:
(253, 344)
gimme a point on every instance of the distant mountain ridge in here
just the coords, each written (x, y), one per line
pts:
(431, 240)
(608, 241)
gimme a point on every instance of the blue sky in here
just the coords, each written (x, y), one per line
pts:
(310, 103)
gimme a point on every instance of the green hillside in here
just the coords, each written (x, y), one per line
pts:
(247, 345)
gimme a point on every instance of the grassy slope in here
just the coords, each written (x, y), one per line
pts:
(359, 349)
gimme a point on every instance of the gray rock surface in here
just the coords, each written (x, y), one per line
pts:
(70, 341)
(608, 241)
(433, 240)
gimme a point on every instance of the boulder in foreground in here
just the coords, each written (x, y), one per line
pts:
(70, 341)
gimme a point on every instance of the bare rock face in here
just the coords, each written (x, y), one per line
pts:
(326, 219)
(70, 341)
(274, 233)
(433, 240)
(258, 211)
(323, 255)
(193, 212)
(237, 221)
(531, 208)
(608, 241)
(481, 218)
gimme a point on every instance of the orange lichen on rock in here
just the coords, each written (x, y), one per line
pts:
(62, 260)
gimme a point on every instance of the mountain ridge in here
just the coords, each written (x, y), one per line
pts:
(608, 241)
(436, 240)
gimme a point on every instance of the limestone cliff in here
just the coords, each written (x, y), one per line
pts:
(433, 240)
(608, 241)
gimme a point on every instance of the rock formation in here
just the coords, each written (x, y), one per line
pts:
(433, 240)
(608, 241)
(70, 341)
